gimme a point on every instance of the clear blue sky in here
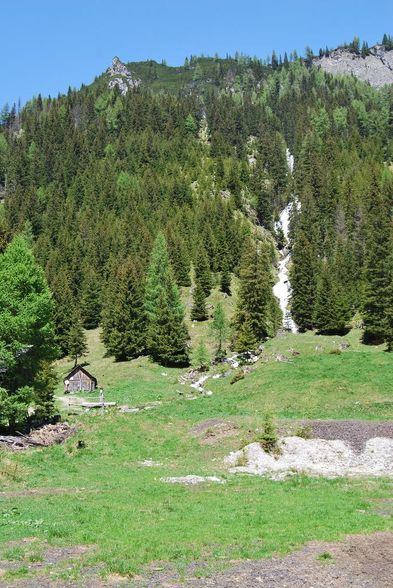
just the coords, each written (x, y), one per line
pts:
(47, 45)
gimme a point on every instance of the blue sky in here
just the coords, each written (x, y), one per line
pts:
(45, 46)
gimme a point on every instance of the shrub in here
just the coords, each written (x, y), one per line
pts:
(239, 375)
(304, 431)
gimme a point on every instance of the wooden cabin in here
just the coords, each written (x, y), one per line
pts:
(79, 380)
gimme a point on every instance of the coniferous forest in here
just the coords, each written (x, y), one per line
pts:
(114, 203)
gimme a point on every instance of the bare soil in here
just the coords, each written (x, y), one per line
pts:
(360, 561)
(354, 432)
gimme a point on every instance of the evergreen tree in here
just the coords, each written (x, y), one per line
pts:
(375, 302)
(63, 310)
(330, 313)
(124, 318)
(91, 300)
(220, 329)
(77, 343)
(198, 310)
(257, 314)
(167, 334)
(201, 358)
(203, 274)
(225, 281)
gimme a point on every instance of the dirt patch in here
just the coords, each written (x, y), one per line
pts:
(355, 433)
(39, 561)
(32, 492)
(213, 430)
(360, 561)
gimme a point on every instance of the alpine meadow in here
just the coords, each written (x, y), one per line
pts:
(196, 325)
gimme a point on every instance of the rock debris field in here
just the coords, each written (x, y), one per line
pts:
(321, 457)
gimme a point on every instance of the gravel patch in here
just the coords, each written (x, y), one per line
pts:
(355, 433)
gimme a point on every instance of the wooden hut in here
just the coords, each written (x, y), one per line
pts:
(79, 380)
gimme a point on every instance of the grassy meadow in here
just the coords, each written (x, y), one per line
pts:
(102, 496)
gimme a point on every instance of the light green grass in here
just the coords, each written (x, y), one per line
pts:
(111, 501)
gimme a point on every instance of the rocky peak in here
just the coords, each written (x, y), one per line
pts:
(120, 76)
(376, 68)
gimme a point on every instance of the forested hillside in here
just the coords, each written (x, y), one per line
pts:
(128, 196)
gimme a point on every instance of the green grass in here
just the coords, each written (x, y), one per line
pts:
(109, 500)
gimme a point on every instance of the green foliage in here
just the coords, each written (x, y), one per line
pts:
(124, 319)
(201, 358)
(26, 307)
(268, 438)
(199, 310)
(167, 334)
(77, 346)
(257, 315)
(220, 329)
(203, 274)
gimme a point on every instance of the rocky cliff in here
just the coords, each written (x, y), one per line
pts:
(376, 68)
(120, 76)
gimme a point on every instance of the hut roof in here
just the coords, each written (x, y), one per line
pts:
(78, 368)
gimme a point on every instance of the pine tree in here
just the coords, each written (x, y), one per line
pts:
(77, 343)
(220, 329)
(257, 312)
(124, 318)
(203, 274)
(225, 281)
(199, 310)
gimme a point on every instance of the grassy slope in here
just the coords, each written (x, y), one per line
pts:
(134, 519)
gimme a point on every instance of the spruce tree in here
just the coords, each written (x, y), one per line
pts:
(303, 280)
(376, 289)
(91, 305)
(202, 271)
(167, 334)
(124, 318)
(199, 310)
(225, 280)
(77, 343)
(63, 309)
(330, 312)
(257, 314)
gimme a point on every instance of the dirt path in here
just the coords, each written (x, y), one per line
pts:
(360, 561)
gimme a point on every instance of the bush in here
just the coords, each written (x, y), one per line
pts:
(304, 431)
(237, 376)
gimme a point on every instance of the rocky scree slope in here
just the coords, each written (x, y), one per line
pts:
(376, 68)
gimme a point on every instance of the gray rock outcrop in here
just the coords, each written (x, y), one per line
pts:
(120, 76)
(376, 68)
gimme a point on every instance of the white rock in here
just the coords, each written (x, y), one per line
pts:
(317, 457)
(191, 480)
